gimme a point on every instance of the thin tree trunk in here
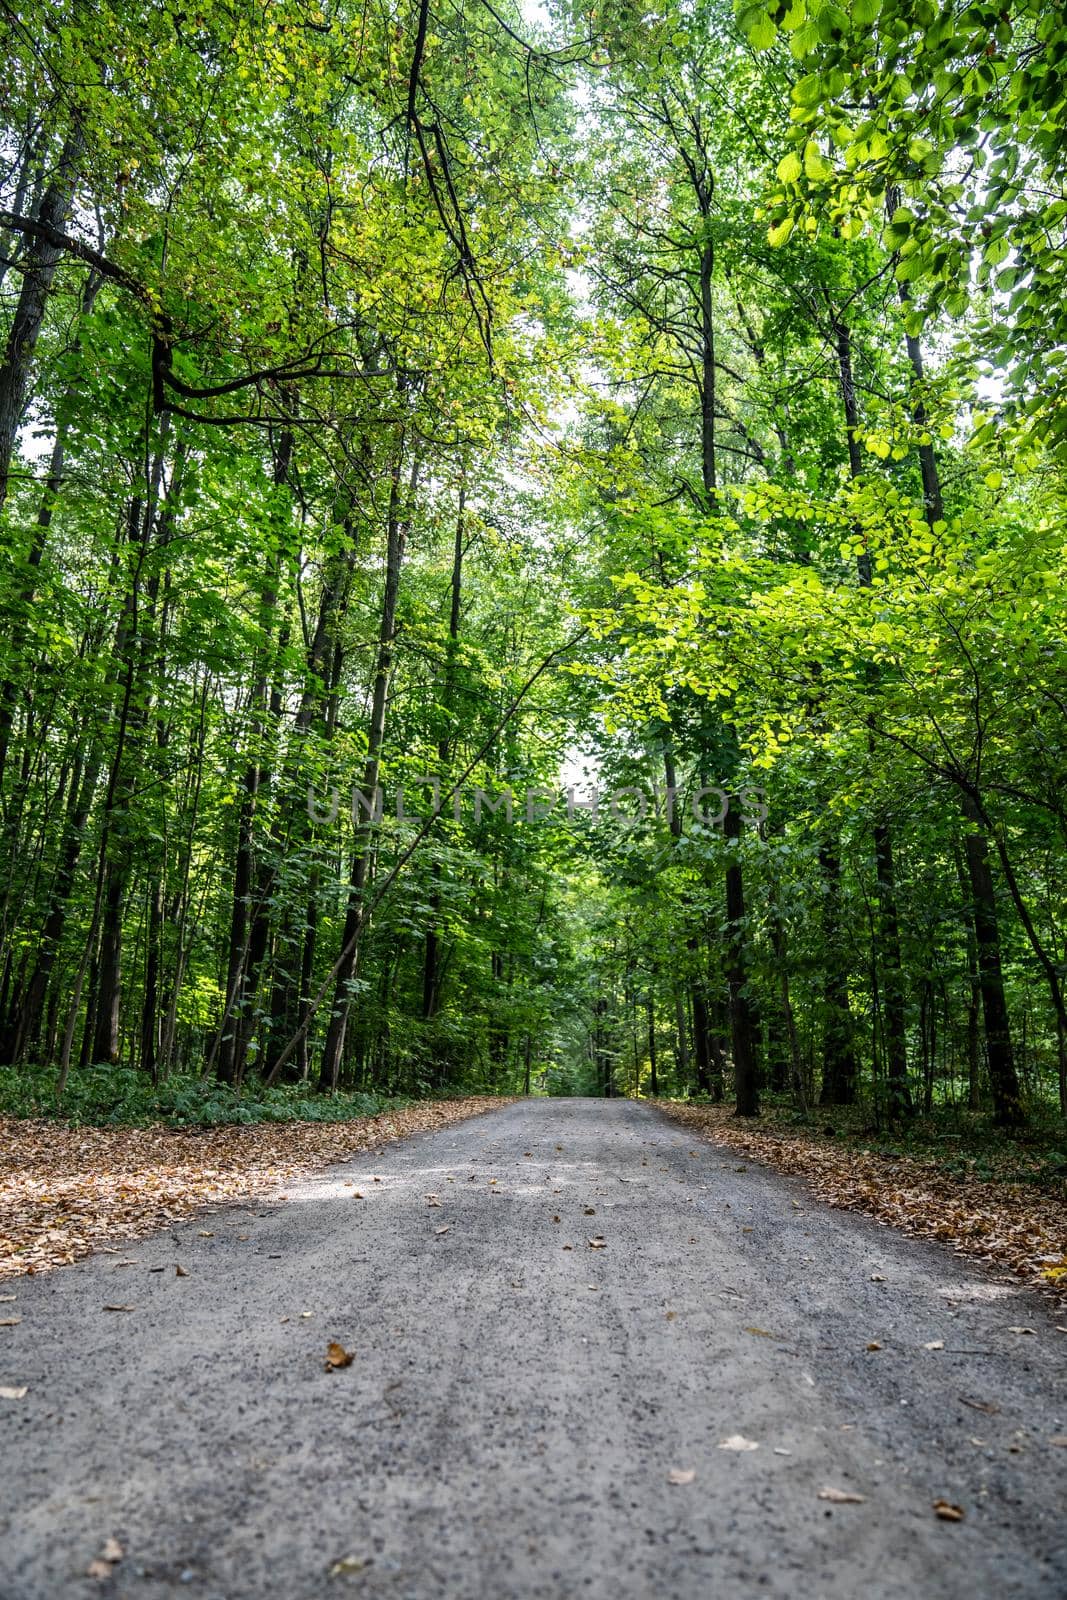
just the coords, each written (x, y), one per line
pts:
(38, 271)
(333, 1048)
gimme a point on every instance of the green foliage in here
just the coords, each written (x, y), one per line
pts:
(105, 1096)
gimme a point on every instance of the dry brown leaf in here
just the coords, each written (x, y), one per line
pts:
(988, 1406)
(555, 1219)
(947, 1511)
(10, 1322)
(1057, 1438)
(598, 1243)
(590, 1211)
(180, 1272)
(357, 1194)
(120, 1308)
(737, 1441)
(841, 1497)
(337, 1356)
(568, 1247)
(98, 1569)
(935, 1344)
(347, 1564)
(872, 1344)
(681, 1475)
(9, 1393)
(761, 1333)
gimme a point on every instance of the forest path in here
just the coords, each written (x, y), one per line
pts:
(514, 1408)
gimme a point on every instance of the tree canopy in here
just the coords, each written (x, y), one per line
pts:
(404, 408)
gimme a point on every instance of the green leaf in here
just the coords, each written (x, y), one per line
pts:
(816, 166)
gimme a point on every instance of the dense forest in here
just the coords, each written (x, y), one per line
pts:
(532, 548)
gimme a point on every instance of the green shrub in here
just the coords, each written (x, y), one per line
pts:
(104, 1096)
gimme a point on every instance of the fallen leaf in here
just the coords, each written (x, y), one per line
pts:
(180, 1272)
(681, 1475)
(120, 1308)
(876, 1277)
(112, 1551)
(935, 1344)
(357, 1194)
(10, 1322)
(1057, 1438)
(873, 1345)
(440, 1231)
(555, 1219)
(568, 1247)
(597, 1244)
(432, 1200)
(671, 1315)
(337, 1356)
(347, 1564)
(947, 1511)
(590, 1211)
(779, 1451)
(841, 1497)
(737, 1441)
(8, 1299)
(1032, 1331)
(7, 1393)
(204, 1234)
(98, 1569)
(987, 1406)
(761, 1333)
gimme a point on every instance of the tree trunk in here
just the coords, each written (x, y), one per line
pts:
(431, 953)
(742, 1033)
(333, 1048)
(38, 271)
(839, 1057)
(1003, 1078)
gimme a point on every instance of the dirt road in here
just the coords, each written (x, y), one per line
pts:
(515, 1409)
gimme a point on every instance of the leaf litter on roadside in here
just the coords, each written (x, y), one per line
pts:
(65, 1192)
(1004, 1224)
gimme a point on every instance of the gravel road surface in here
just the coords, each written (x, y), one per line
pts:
(515, 1409)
